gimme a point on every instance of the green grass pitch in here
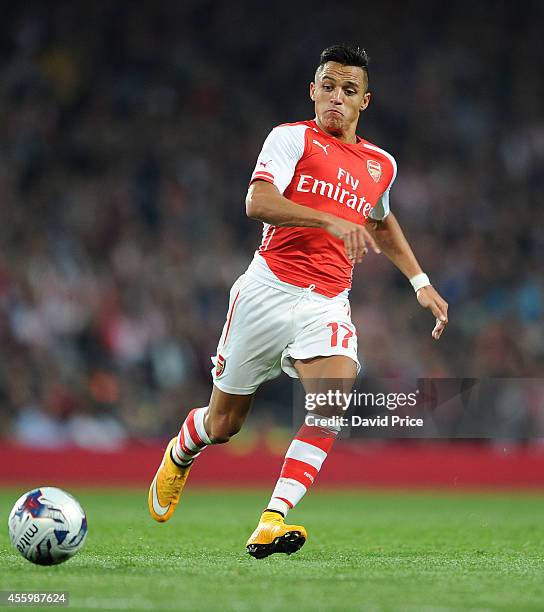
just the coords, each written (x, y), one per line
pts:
(366, 551)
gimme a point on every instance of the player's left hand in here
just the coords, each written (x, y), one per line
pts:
(429, 297)
(369, 239)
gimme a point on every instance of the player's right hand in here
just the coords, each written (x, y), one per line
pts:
(355, 237)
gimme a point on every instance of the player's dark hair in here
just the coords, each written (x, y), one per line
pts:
(345, 55)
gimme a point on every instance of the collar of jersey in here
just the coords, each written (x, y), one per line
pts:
(347, 144)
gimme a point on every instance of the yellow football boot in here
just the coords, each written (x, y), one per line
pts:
(166, 488)
(274, 536)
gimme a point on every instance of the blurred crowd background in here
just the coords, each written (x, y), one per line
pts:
(128, 134)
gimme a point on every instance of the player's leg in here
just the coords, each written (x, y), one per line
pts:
(248, 353)
(324, 355)
(226, 414)
(312, 443)
(314, 371)
(212, 424)
(215, 423)
(304, 457)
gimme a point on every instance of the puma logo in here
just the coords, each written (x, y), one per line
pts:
(264, 164)
(324, 147)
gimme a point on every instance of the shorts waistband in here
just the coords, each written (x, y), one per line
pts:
(260, 272)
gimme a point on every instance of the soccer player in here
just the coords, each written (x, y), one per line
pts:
(316, 185)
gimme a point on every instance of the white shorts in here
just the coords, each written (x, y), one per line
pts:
(268, 327)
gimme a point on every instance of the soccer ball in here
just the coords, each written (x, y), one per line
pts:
(47, 526)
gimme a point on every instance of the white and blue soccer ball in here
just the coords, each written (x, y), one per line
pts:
(47, 526)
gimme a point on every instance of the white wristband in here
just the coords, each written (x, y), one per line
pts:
(419, 281)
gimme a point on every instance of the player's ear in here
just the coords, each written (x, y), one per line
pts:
(312, 91)
(366, 101)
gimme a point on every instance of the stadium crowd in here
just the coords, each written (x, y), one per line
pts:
(129, 132)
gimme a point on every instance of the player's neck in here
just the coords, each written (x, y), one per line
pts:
(347, 136)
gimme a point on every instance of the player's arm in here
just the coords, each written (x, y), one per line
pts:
(391, 240)
(265, 203)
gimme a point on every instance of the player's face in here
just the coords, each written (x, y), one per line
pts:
(340, 95)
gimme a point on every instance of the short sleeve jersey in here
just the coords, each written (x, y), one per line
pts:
(314, 169)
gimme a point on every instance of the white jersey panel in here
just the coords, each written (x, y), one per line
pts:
(281, 151)
(381, 210)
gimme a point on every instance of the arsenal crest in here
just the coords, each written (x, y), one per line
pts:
(220, 366)
(374, 169)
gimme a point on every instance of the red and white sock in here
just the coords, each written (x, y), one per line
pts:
(192, 438)
(303, 461)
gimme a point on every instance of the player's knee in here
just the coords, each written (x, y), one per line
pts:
(222, 430)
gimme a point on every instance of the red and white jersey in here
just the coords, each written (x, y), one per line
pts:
(312, 168)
